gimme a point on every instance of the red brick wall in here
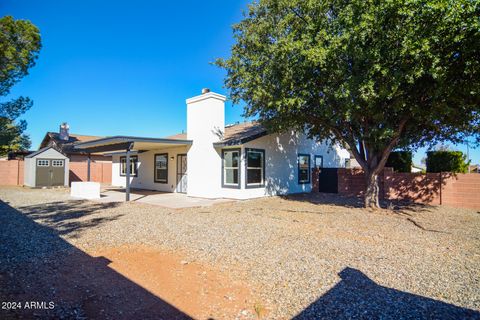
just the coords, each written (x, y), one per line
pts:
(458, 190)
(99, 171)
(11, 172)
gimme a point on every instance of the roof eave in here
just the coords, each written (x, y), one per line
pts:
(236, 142)
(126, 139)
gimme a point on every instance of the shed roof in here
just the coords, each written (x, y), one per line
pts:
(31, 155)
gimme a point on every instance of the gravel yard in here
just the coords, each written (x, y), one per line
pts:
(301, 256)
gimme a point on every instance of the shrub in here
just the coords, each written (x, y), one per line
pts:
(446, 161)
(400, 161)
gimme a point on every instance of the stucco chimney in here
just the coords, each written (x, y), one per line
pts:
(206, 117)
(205, 126)
(63, 134)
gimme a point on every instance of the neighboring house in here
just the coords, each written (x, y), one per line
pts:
(16, 155)
(417, 168)
(64, 141)
(474, 168)
(214, 160)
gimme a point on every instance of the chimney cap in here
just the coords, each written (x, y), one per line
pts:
(205, 90)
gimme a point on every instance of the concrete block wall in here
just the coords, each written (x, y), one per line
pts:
(99, 172)
(456, 190)
(11, 172)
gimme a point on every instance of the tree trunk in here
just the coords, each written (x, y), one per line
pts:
(373, 190)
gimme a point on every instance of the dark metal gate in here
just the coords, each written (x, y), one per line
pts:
(328, 180)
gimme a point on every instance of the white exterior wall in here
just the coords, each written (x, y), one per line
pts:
(205, 125)
(146, 163)
(31, 163)
(281, 168)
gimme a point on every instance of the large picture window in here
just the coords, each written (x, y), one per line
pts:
(231, 168)
(303, 168)
(133, 166)
(255, 164)
(161, 168)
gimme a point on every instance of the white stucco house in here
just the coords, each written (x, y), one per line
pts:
(215, 160)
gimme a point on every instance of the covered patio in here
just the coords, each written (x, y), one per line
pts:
(162, 199)
(128, 146)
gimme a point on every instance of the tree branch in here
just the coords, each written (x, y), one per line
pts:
(298, 15)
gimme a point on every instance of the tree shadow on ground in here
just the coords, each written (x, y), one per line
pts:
(70, 217)
(358, 297)
(36, 264)
(334, 199)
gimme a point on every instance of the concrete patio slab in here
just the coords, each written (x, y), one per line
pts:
(163, 199)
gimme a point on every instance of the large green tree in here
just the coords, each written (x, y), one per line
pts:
(19, 48)
(373, 75)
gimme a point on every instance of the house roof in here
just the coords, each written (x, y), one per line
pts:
(235, 134)
(53, 139)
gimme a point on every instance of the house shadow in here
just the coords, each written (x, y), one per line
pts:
(37, 265)
(358, 297)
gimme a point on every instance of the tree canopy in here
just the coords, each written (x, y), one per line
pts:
(373, 75)
(19, 48)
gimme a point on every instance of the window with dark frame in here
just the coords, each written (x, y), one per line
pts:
(161, 168)
(303, 168)
(133, 166)
(255, 165)
(231, 168)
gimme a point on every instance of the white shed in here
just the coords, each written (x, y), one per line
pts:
(46, 167)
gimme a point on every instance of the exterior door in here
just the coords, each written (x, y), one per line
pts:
(50, 172)
(182, 173)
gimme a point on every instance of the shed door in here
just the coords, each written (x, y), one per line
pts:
(50, 172)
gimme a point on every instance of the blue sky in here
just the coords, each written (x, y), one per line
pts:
(126, 67)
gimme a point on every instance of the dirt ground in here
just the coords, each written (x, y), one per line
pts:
(301, 257)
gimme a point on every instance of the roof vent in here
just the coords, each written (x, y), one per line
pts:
(205, 90)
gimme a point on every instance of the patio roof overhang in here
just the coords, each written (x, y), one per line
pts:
(123, 143)
(126, 144)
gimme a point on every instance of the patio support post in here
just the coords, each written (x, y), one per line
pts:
(88, 167)
(127, 174)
